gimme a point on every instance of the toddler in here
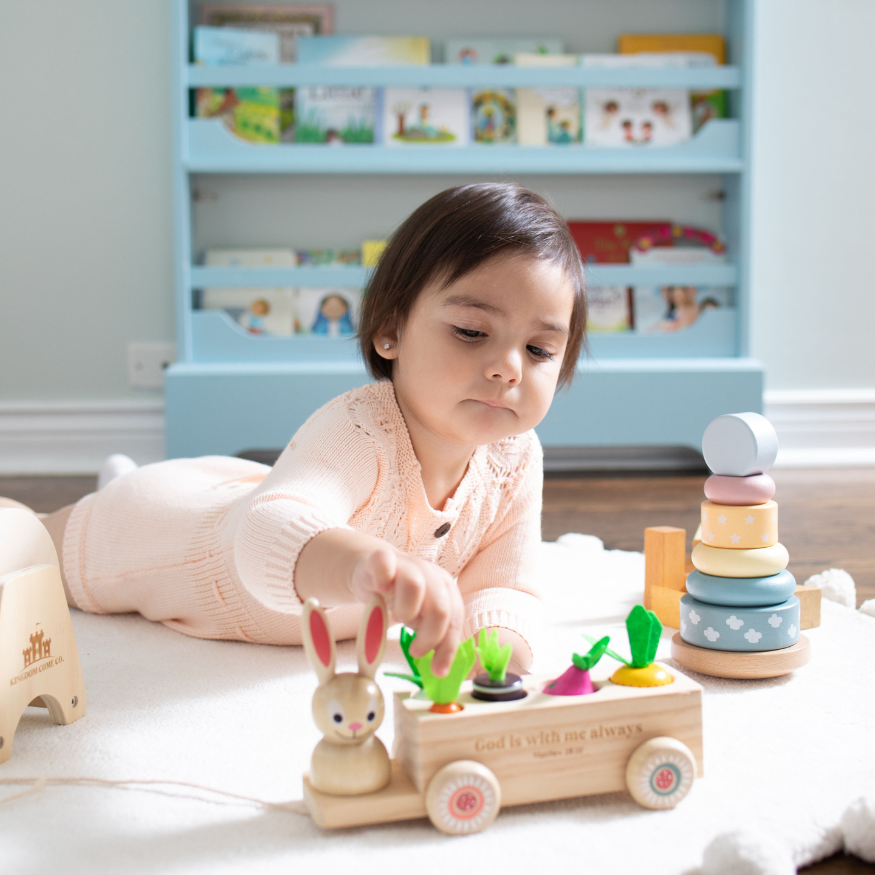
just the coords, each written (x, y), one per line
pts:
(424, 485)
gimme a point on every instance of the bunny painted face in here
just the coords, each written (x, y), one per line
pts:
(348, 709)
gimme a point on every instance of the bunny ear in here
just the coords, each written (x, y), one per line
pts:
(318, 641)
(371, 641)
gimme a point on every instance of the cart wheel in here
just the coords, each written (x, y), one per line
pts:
(463, 798)
(660, 772)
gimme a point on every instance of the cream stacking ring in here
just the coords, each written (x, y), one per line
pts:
(756, 489)
(741, 591)
(740, 527)
(760, 562)
(740, 444)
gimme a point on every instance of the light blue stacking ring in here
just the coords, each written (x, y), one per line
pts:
(721, 627)
(741, 591)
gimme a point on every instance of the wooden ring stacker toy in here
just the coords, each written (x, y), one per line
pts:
(39, 662)
(458, 769)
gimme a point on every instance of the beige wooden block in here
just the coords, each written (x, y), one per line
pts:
(735, 664)
(666, 604)
(548, 747)
(398, 800)
(663, 560)
(810, 598)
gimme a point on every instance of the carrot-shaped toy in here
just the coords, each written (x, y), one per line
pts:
(575, 681)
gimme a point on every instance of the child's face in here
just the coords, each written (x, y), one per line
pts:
(479, 360)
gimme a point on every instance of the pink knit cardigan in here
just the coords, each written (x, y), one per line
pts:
(208, 546)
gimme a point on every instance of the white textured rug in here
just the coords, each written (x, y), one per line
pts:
(787, 755)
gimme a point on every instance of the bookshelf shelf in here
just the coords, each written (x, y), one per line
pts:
(231, 390)
(212, 148)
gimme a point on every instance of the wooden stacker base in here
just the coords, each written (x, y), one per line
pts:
(732, 664)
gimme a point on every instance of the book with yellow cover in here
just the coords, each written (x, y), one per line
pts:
(705, 104)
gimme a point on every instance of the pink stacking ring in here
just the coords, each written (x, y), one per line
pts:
(755, 489)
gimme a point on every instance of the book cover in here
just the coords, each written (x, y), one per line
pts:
(666, 309)
(327, 312)
(609, 242)
(288, 20)
(493, 115)
(329, 257)
(335, 114)
(705, 105)
(496, 50)
(230, 45)
(412, 116)
(257, 310)
(547, 116)
(609, 309)
(364, 51)
(636, 117)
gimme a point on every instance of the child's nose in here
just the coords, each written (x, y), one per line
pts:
(355, 726)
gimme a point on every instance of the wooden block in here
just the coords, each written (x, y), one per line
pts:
(398, 800)
(667, 605)
(664, 548)
(810, 597)
(745, 666)
(548, 747)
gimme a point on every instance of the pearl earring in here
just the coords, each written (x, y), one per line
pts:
(386, 346)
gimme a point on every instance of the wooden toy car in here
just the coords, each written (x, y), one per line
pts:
(459, 769)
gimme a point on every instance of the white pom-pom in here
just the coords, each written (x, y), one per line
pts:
(113, 467)
(868, 607)
(837, 586)
(747, 852)
(858, 825)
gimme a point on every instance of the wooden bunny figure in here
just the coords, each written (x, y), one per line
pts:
(347, 707)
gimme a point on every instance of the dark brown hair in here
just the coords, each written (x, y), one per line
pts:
(452, 234)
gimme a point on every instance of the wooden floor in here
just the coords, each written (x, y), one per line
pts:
(827, 520)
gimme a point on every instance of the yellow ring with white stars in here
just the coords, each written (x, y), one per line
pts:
(740, 527)
(662, 780)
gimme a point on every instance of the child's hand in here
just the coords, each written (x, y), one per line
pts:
(420, 594)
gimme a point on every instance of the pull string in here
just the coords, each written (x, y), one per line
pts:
(153, 786)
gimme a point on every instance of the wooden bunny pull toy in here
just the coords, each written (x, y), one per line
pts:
(347, 707)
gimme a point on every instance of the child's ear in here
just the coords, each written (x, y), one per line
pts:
(386, 341)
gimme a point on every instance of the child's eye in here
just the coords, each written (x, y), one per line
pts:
(467, 334)
(539, 353)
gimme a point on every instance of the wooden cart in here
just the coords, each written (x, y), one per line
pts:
(459, 769)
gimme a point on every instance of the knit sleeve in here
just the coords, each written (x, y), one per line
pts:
(329, 470)
(499, 585)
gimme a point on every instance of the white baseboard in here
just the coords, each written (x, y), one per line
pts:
(823, 428)
(818, 428)
(74, 438)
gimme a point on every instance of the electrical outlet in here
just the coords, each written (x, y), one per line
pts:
(147, 363)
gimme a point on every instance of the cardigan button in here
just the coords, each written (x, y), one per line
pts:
(440, 532)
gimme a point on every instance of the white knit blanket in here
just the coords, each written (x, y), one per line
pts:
(786, 754)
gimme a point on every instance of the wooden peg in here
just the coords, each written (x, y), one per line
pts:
(810, 599)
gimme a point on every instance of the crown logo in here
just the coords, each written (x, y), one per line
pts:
(40, 648)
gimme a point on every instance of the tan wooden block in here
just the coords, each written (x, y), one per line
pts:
(667, 605)
(548, 747)
(734, 664)
(664, 554)
(398, 800)
(810, 598)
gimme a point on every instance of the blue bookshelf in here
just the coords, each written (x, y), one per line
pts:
(230, 391)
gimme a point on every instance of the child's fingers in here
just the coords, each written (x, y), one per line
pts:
(434, 621)
(375, 574)
(445, 652)
(408, 598)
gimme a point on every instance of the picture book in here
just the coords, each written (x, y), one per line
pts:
(229, 45)
(609, 309)
(496, 50)
(547, 116)
(609, 242)
(329, 312)
(364, 51)
(494, 115)
(636, 117)
(260, 115)
(257, 310)
(335, 114)
(705, 104)
(372, 250)
(329, 257)
(288, 20)
(412, 116)
(662, 309)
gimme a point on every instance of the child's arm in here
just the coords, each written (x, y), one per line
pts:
(342, 565)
